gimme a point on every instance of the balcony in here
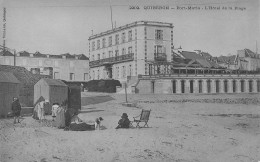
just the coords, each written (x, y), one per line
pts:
(160, 57)
(112, 60)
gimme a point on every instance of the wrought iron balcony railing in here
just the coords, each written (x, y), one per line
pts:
(160, 57)
(111, 60)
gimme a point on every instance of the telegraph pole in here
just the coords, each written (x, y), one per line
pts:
(14, 57)
(256, 50)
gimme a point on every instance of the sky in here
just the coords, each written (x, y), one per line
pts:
(64, 26)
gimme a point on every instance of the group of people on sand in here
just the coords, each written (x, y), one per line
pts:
(63, 117)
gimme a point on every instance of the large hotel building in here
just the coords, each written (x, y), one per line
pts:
(124, 51)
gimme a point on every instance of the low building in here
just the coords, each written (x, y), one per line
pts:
(66, 67)
(251, 59)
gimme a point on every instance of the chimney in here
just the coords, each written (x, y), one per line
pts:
(180, 49)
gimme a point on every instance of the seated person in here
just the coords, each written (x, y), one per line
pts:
(76, 124)
(75, 119)
(124, 122)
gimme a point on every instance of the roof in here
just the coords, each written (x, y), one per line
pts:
(137, 23)
(38, 54)
(21, 73)
(68, 56)
(206, 55)
(6, 53)
(7, 77)
(24, 53)
(199, 59)
(191, 55)
(54, 82)
(227, 59)
(249, 53)
(82, 57)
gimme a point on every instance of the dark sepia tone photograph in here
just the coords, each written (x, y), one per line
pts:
(129, 81)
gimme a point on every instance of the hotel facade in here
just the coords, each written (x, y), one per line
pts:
(125, 51)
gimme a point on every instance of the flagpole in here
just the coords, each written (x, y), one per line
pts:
(111, 14)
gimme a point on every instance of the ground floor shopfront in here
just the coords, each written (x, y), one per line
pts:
(207, 84)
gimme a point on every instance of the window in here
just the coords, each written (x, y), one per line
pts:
(7, 61)
(98, 44)
(93, 46)
(104, 55)
(110, 54)
(123, 51)
(93, 57)
(130, 35)
(129, 50)
(117, 39)
(24, 62)
(72, 76)
(110, 41)
(103, 42)
(56, 75)
(93, 75)
(98, 57)
(158, 49)
(71, 64)
(56, 63)
(40, 62)
(85, 76)
(123, 71)
(116, 54)
(117, 72)
(98, 74)
(123, 37)
(159, 34)
(130, 70)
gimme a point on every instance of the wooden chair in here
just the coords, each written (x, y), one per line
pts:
(143, 117)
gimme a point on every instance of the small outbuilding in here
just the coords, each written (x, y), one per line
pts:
(50, 89)
(9, 88)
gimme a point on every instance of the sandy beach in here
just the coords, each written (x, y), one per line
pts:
(182, 128)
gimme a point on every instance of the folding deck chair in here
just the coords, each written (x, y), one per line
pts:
(144, 117)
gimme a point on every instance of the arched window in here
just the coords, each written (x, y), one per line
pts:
(183, 86)
(191, 86)
(200, 86)
(209, 86)
(174, 86)
(250, 83)
(234, 86)
(242, 85)
(258, 85)
(152, 86)
(225, 86)
(217, 86)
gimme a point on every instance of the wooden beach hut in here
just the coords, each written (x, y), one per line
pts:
(9, 88)
(50, 89)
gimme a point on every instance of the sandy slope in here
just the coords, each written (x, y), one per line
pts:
(179, 132)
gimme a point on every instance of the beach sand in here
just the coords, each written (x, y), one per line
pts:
(182, 128)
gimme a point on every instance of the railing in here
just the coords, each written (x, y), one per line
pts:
(160, 57)
(121, 58)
